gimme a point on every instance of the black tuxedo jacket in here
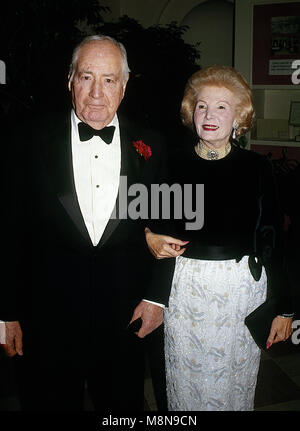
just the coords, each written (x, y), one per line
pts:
(61, 287)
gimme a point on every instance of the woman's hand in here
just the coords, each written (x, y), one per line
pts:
(281, 330)
(164, 246)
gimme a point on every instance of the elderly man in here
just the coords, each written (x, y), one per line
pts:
(83, 271)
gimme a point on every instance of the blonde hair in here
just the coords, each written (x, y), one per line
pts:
(219, 76)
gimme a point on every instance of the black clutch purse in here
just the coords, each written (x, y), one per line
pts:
(260, 320)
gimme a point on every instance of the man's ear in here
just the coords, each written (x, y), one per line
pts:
(69, 83)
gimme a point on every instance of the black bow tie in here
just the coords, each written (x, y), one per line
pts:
(86, 132)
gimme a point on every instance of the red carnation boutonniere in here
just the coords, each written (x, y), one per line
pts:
(143, 149)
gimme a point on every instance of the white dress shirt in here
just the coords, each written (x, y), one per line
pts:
(2, 332)
(96, 167)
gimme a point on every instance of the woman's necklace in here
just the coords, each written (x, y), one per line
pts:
(212, 154)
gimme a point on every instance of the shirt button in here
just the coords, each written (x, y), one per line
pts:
(96, 157)
(97, 186)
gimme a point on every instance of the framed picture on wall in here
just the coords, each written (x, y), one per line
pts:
(276, 42)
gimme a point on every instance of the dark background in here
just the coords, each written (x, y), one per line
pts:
(36, 44)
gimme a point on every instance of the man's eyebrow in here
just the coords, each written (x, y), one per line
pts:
(110, 74)
(81, 72)
(88, 72)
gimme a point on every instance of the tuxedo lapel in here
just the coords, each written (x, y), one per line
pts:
(58, 157)
(131, 169)
(57, 154)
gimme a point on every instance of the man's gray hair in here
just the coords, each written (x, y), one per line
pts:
(100, 37)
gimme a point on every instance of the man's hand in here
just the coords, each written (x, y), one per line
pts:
(152, 316)
(13, 339)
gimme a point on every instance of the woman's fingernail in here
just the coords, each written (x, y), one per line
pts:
(268, 344)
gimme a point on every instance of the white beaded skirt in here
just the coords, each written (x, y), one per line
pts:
(211, 359)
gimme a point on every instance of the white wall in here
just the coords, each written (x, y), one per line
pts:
(211, 23)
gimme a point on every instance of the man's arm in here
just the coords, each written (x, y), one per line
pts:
(158, 284)
(161, 247)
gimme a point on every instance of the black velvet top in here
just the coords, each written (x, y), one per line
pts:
(241, 213)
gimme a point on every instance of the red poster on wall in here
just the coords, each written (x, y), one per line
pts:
(276, 42)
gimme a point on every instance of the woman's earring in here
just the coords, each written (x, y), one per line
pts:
(235, 126)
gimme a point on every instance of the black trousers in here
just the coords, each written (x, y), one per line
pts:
(8, 388)
(115, 381)
(110, 361)
(156, 360)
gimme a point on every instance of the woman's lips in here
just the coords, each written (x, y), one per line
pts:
(211, 127)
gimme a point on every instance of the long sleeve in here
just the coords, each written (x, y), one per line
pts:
(9, 237)
(160, 271)
(16, 214)
(290, 186)
(270, 239)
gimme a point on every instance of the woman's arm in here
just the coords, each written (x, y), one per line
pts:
(278, 283)
(164, 246)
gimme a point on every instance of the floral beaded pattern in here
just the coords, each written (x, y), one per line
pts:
(211, 359)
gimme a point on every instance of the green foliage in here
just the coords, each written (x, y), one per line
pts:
(160, 63)
(36, 39)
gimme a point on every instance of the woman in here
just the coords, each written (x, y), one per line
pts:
(211, 359)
